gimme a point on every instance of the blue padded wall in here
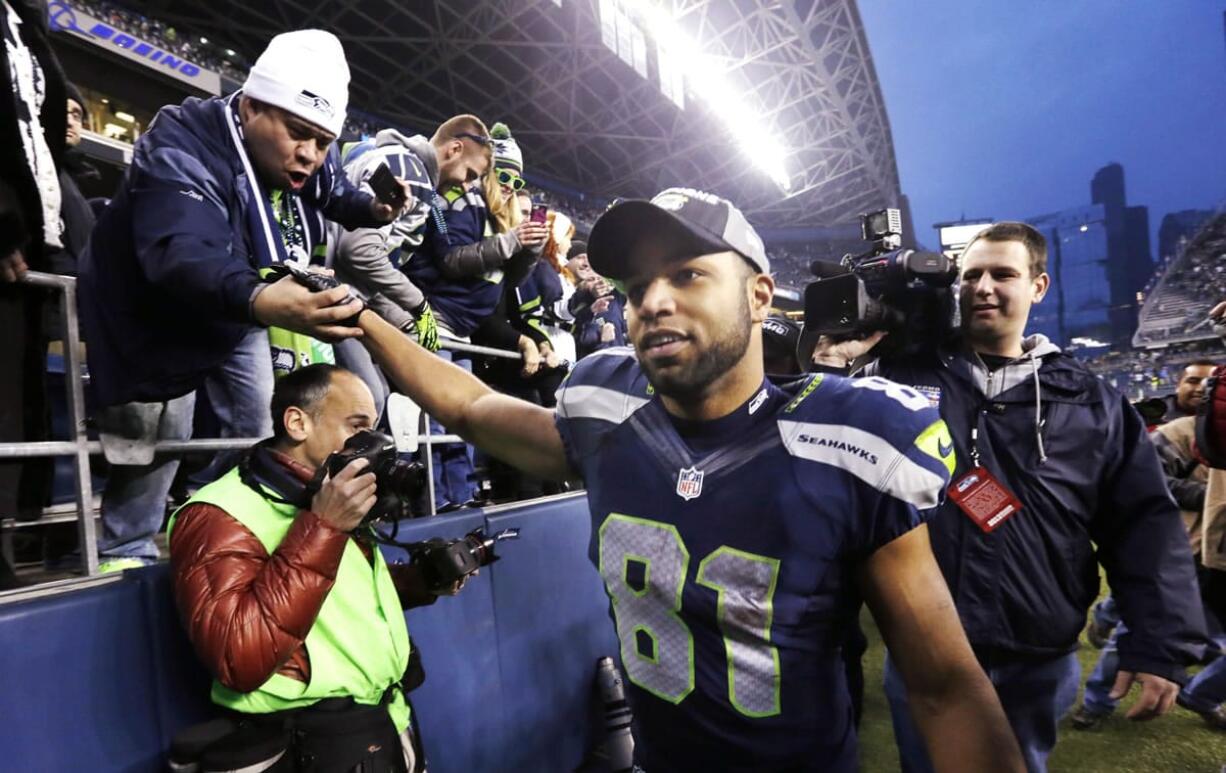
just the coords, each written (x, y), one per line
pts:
(462, 695)
(553, 625)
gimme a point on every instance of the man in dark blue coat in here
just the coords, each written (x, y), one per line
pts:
(1054, 476)
(170, 291)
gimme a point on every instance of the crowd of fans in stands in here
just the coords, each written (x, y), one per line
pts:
(1180, 300)
(194, 48)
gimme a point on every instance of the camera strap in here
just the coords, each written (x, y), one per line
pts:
(262, 473)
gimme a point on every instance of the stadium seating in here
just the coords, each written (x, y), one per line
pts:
(106, 675)
(1192, 283)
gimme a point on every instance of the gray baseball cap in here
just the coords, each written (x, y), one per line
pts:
(692, 222)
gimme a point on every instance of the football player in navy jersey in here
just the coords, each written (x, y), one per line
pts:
(737, 525)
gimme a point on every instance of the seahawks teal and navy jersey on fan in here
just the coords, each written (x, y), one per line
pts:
(729, 549)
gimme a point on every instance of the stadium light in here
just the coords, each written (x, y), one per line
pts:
(705, 74)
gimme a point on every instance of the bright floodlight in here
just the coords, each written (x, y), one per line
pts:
(705, 74)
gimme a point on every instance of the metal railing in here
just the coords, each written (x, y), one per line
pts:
(80, 447)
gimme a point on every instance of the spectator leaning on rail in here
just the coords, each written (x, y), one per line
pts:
(32, 130)
(171, 297)
(276, 587)
(478, 243)
(599, 310)
(370, 258)
(1029, 421)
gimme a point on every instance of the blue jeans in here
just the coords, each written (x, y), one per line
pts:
(240, 391)
(1034, 693)
(453, 462)
(134, 502)
(1207, 690)
(1106, 613)
(351, 355)
(1098, 687)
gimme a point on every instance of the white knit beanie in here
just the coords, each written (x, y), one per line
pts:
(506, 149)
(305, 73)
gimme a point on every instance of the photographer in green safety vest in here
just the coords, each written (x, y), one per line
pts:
(288, 601)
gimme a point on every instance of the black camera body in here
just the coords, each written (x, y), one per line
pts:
(396, 481)
(906, 292)
(445, 562)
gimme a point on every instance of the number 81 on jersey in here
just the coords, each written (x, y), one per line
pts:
(644, 564)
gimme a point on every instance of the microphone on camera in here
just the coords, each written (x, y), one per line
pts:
(824, 269)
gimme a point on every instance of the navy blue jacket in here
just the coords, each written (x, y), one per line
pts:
(166, 281)
(1092, 491)
(588, 325)
(463, 302)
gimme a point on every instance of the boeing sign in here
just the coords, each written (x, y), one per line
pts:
(63, 17)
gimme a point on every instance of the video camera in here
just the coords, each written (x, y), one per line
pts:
(445, 562)
(396, 481)
(905, 292)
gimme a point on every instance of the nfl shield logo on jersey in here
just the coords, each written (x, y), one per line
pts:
(689, 483)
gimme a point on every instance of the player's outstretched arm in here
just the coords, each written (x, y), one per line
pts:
(515, 431)
(952, 701)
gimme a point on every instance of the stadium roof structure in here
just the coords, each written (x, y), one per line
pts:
(587, 118)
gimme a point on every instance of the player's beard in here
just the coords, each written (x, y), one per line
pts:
(690, 382)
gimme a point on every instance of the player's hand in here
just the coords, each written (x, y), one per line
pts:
(607, 333)
(13, 267)
(1157, 694)
(601, 304)
(1218, 313)
(343, 501)
(286, 303)
(840, 354)
(386, 213)
(531, 355)
(531, 234)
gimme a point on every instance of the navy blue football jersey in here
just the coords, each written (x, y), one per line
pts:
(729, 551)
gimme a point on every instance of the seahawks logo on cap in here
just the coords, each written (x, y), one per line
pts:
(315, 102)
(676, 198)
(670, 200)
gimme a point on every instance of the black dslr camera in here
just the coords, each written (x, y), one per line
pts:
(444, 562)
(396, 481)
(905, 292)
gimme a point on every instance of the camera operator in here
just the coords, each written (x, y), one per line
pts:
(253, 570)
(1065, 467)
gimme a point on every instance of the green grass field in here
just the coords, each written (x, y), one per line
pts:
(1179, 742)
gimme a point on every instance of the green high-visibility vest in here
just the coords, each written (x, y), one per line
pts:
(359, 644)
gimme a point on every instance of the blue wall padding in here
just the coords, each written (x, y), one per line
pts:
(553, 625)
(100, 679)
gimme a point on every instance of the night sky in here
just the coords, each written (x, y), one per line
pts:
(1006, 109)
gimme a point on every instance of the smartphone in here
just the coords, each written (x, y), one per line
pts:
(386, 188)
(538, 214)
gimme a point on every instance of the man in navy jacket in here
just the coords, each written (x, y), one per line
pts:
(170, 292)
(1089, 490)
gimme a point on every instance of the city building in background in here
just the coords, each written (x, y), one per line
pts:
(1099, 261)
